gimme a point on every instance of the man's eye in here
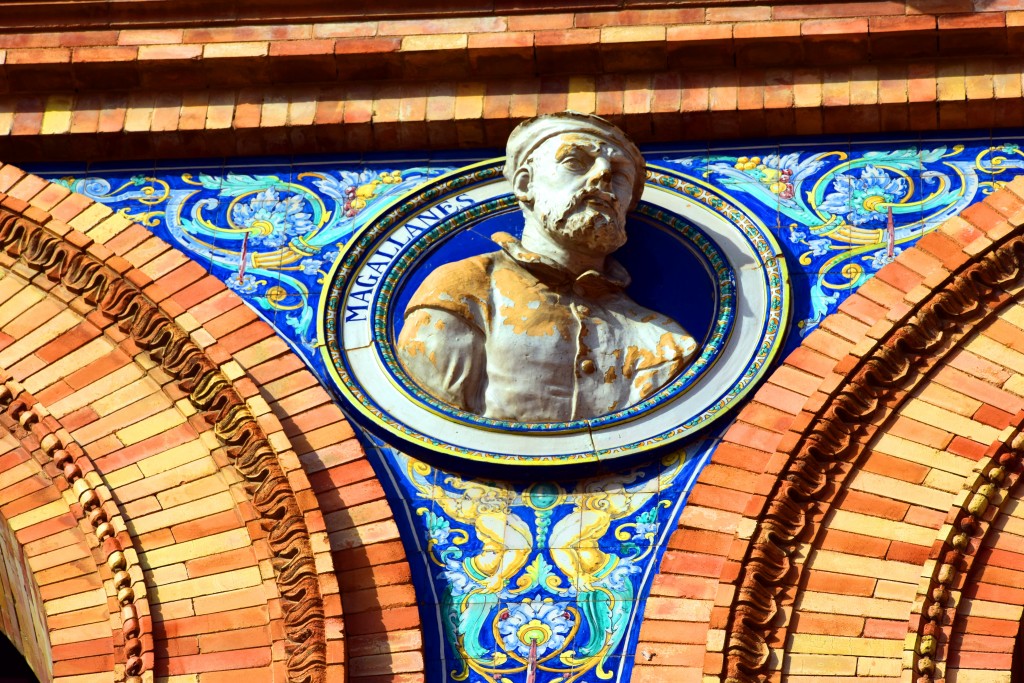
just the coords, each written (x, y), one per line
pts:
(574, 165)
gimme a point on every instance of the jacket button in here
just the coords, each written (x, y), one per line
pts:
(588, 366)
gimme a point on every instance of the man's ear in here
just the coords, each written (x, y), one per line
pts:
(522, 184)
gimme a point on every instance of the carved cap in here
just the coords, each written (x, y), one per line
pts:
(530, 134)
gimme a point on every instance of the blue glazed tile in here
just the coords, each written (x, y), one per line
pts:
(513, 543)
(394, 159)
(211, 166)
(104, 168)
(279, 162)
(459, 158)
(330, 160)
(58, 170)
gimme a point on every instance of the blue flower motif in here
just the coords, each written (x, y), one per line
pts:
(859, 198)
(541, 621)
(247, 285)
(270, 220)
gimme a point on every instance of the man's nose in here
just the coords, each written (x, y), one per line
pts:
(600, 175)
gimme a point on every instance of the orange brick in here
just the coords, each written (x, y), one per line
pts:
(295, 48)
(378, 598)
(234, 639)
(83, 666)
(707, 541)
(394, 619)
(163, 36)
(55, 55)
(737, 14)
(828, 624)
(906, 552)
(835, 27)
(28, 39)
(640, 17)
(537, 22)
(766, 30)
(218, 661)
(882, 628)
(870, 504)
(378, 575)
(105, 54)
(719, 497)
(169, 52)
(839, 584)
(920, 433)
(853, 544)
(221, 562)
(838, 9)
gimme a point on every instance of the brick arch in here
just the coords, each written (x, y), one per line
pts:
(105, 598)
(731, 579)
(233, 388)
(22, 619)
(46, 553)
(179, 530)
(981, 629)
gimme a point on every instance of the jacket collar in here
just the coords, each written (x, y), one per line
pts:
(590, 283)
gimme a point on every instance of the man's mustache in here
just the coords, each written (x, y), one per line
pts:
(594, 196)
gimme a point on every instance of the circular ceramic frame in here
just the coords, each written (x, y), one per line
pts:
(356, 322)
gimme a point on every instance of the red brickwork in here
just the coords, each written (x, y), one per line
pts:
(861, 519)
(884, 529)
(57, 562)
(881, 537)
(207, 584)
(372, 83)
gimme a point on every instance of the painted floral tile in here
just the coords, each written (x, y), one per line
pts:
(544, 580)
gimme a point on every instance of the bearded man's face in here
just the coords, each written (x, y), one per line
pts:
(582, 187)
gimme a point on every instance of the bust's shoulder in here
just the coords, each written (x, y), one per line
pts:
(461, 287)
(468, 275)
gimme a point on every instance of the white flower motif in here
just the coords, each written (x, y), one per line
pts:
(459, 582)
(860, 198)
(882, 258)
(645, 528)
(618, 578)
(819, 247)
(538, 621)
(310, 266)
(247, 285)
(272, 221)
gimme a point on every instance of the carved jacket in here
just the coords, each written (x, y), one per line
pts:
(513, 335)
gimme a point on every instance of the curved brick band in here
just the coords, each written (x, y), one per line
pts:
(758, 479)
(350, 524)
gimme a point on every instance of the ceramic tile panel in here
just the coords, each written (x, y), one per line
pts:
(547, 573)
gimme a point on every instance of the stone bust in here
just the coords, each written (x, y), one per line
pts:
(542, 330)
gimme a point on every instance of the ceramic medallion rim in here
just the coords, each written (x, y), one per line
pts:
(373, 384)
